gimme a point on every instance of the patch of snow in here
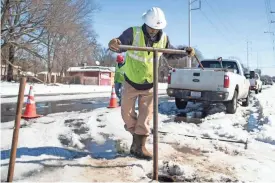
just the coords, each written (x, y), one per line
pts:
(267, 101)
(186, 158)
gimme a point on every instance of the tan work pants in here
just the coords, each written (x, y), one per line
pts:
(138, 124)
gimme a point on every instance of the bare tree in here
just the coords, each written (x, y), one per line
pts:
(74, 49)
(40, 27)
(66, 24)
(105, 57)
(20, 26)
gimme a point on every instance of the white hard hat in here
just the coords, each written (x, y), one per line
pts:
(154, 18)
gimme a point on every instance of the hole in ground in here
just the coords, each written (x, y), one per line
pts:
(162, 178)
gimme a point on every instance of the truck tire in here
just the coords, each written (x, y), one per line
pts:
(180, 103)
(246, 102)
(232, 105)
(256, 91)
(261, 90)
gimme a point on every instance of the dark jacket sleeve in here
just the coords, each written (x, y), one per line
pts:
(173, 56)
(126, 37)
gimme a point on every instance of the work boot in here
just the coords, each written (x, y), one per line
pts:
(133, 146)
(141, 151)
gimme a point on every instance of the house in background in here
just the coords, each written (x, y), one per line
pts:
(4, 70)
(92, 75)
(55, 77)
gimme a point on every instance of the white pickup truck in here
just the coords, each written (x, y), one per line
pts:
(220, 82)
(255, 82)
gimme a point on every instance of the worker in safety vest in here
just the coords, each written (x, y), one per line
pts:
(119, 76)
(139, 75)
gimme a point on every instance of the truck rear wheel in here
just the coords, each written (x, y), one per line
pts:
(181, 104)
(231, 106)
(245, 103)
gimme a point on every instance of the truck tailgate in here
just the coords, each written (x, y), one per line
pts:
(252, 82)
(197, 79)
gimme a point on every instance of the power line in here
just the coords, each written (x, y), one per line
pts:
(224, 26)
(222, 22)
(217, 29)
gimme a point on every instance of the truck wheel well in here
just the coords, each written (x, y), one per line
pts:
(237, 88)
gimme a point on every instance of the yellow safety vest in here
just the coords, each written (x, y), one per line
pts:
(139, 64)
(119, 74)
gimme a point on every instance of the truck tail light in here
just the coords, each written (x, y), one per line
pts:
(169, 75)
(226, 81)
(169, 78)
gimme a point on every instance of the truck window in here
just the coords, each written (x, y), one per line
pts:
(211, 64)
(231, 65)
(222, 64)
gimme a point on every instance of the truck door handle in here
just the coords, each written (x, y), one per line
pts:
(196, 74)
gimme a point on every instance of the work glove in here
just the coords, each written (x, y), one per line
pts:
(190, 51)
(114, 45)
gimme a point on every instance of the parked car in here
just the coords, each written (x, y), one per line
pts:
(269, 82)
(255, 83)
(221, 81)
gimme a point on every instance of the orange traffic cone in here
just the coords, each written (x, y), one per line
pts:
(113, 102)
(30, 111)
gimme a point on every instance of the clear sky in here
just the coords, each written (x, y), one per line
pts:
(220, 28)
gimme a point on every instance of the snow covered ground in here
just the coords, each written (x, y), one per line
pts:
(60, 91)
(61, 147)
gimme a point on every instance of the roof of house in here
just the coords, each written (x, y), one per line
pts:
(91, 68)
(15, 66)
(29, 73)
(46, 72)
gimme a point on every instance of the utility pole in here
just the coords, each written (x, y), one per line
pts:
(257, 60)
(247, 64)
(190, 2)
